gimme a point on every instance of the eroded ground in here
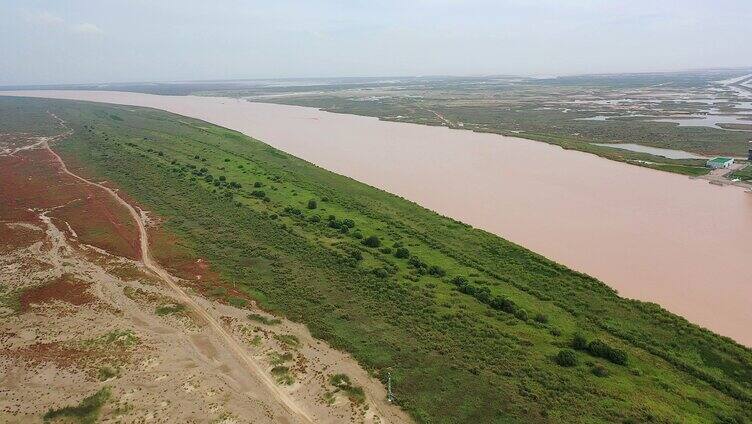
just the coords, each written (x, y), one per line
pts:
(88, 332)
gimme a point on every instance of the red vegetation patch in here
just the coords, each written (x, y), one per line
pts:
(30, 180)
(64, 289)
(13, 237)
(181, 261)
(55, 352)
(33, 180)
(66, 355)
(101, 222)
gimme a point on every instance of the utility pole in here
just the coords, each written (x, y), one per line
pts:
(389, 394)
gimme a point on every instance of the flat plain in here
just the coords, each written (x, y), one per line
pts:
(470, 327)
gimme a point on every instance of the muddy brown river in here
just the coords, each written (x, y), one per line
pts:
(651, 235)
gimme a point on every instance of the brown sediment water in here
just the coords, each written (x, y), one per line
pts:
(654, 236)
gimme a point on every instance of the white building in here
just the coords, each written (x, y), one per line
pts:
(719, 162)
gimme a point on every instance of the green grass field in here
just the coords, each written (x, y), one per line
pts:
(470, 326)
(743, 174)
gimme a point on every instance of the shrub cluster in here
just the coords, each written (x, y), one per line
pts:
(402, 253)
(600, 349)
(566, 358)
(381, 272)
(422, 268)
(498, 302)
(342, 382)
(599, 370)
(436, 271)
(483, 295)
(292, 211)
(343, 225)
(206, 176)
(372, 241)
(579, 342)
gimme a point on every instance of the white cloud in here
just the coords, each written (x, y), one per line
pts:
(48, 19)
(44, 18)
(87, 28)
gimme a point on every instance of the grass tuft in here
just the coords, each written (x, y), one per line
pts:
(342, 382)
(86, 412)
(264, 320)
(169, 309)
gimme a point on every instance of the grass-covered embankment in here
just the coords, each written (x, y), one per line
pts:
(472, 328)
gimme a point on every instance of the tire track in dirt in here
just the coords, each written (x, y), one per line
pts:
(235, 347)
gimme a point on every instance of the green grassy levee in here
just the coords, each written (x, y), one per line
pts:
(453, 358)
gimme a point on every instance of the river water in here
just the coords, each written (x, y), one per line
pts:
(651, 235)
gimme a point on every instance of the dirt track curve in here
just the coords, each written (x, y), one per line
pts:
(251, 364)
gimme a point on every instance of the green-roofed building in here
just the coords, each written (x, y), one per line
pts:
(720, 162)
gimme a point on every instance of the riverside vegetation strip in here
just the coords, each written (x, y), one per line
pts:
(469, 325)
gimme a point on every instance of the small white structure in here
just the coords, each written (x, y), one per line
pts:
(720, 162)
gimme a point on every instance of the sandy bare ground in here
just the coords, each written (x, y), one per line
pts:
(76, 319)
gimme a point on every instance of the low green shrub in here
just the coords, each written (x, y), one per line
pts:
(380, 272)
(169, 309)
(343, 383)
(579, 342)
(602, 350)
(86, 412)
(566, 358)
(372, 241)
(237, 302)
(402, 253)
(599, 370)
(264, 320)
(283, 375)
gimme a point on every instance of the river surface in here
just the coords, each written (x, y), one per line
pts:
(651, 235)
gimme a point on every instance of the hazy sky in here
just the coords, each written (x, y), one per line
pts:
(151, 40)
